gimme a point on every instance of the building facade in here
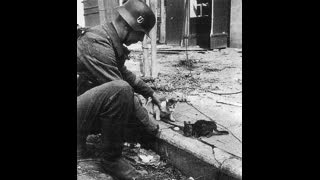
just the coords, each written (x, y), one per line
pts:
(212, 23)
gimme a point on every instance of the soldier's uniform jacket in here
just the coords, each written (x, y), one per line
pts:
(101, 58)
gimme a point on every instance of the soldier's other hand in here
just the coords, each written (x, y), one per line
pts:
(156, 100)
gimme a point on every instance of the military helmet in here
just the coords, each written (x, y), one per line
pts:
(138, 15)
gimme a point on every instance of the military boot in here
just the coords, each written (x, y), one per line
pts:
(120, 168)
(82, 150)
(87, 162)
(83, 153)
(114, 163)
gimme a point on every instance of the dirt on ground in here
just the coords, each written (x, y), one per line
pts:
(213, 75)
(218, 71)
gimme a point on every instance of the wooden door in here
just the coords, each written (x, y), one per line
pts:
(174, 21)
(220, 33)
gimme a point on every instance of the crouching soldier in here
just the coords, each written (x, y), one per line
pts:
(106, 87)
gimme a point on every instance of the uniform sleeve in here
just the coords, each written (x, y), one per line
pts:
(138, 85)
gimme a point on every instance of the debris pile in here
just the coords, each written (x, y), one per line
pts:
(181, 81)
(150, 164)
(147, 162)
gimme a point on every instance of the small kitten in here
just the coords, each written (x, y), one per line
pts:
(168, 105)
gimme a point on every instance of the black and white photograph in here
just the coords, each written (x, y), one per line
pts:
(159, 90)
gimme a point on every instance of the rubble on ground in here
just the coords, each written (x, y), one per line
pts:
(146, 161)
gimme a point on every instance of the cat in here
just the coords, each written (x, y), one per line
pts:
(168, 106)
(206, 128)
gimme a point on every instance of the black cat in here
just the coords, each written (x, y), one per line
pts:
(206, 128)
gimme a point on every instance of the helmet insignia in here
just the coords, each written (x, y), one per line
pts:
(140, 19)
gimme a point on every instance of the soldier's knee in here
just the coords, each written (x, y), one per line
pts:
(121, 85)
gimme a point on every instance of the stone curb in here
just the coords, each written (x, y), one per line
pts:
(224, 162)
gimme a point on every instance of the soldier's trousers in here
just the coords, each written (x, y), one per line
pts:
(108, 108)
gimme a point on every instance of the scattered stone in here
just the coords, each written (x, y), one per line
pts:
(239, 81)
(137, 145)
(144, 158)
(143, 172)
(216, 88)
(176, 128)
(238, 50)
